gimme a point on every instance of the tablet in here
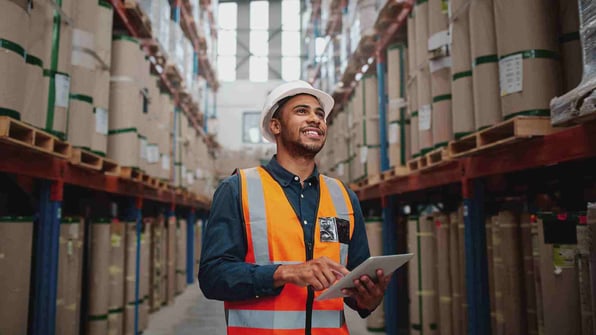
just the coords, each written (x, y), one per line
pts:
(388, 263)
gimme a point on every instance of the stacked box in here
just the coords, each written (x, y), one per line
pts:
(485, 67)
(116, 288)
(461, 68)
(16, 242)
(181, 256)
(529, 69)
(99, 277)
(374, 232)
(50, 112)
(70, 272)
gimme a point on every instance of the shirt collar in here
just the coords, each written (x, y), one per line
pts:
(285, 177)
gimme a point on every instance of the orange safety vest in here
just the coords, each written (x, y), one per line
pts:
(275, 236)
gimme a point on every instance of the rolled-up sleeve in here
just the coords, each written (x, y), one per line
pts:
(223, 273)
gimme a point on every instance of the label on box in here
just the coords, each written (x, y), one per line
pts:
(424, 117)
(189, 178)
(584, 239)
(153, 153)
(62, 83)
(199, 173)
(116, 240)
(165, 162)
(340, 169)
(363, 154)
(143, 148)
(564, 255)
(393, 133)
(101, 121)
(511, 74)
(69, 247)
(182, 171)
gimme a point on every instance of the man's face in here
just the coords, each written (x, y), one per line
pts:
(302, 128)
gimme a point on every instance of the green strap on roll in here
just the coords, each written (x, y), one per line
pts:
(16, 219)
(70, 220)
(30, 59)
(441, 144)
(99, 153)
(569, 37)
(534, 53)
(461, 134)
(531, 112)
(460, 75)
(122, 131)
(420, 2)
(14, 47)
(97, 317)
(82, 97)
(440, 98)
(125, 38)
(118, 310)
(10, 113)
(105, 4)
(414, 113)
(485, 59)
(53, 67)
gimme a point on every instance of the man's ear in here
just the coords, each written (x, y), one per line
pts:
(275, 126)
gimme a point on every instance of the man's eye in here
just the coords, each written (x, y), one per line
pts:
(321, 115)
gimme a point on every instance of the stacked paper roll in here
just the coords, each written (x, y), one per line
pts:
(425, 135)
(372, 143)
(445, 298)
(14, 23)
(374, 232)
(569, 44)
(117, 263)
(485, 67)
(99, 276)
(528, 56)
(461, 68)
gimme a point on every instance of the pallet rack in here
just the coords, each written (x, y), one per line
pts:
(523, 150)
(56, 178)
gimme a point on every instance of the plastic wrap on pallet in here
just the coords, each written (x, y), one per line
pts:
(581, 101)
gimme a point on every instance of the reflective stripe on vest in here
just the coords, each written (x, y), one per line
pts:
(283, 319)
(258, 217)
(341, 210)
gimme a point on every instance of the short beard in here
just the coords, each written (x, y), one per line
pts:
(299, 149)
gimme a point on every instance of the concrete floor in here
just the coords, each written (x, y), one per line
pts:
(193, 314)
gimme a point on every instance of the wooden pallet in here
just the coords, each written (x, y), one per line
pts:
(397, 171)
(437, 156)
(173, 75)
(418, 163)
(138, 18)
(150, 181)
(131, 173)
(507, 132)
(110, 167)
(20, 133)
(86, 159)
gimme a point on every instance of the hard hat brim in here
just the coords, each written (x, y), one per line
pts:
(324, 99)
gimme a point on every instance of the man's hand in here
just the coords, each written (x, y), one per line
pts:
(319, 273)
(369, 293)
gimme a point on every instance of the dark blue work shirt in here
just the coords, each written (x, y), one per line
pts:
(223, 273)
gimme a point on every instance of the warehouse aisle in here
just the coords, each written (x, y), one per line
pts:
(193, 314)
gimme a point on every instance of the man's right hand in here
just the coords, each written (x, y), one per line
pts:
(319, 273)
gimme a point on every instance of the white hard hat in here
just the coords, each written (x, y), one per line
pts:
(290, 89)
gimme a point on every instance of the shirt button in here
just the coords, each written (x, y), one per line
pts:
(305, 222)
(309, 184)
(296, 178)
(301, 195)
(257, 297)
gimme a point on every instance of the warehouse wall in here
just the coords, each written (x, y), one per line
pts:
(232, 100)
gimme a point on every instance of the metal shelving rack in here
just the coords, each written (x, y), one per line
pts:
(466, 177)
(53, 185)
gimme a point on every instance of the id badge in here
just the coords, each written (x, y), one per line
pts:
(334, 229)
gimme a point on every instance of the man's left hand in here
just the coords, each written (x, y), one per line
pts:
(367, 292)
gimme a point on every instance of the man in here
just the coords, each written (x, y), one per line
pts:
(280, 234)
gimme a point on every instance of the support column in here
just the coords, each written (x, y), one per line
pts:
(476, 264)
(46, 259)
(381, 69)
(389, 248)
(190, 247)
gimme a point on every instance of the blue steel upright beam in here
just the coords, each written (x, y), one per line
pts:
(381, 69)
(190, 247)
(389, 248)
(46, 259)
(476, 265)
